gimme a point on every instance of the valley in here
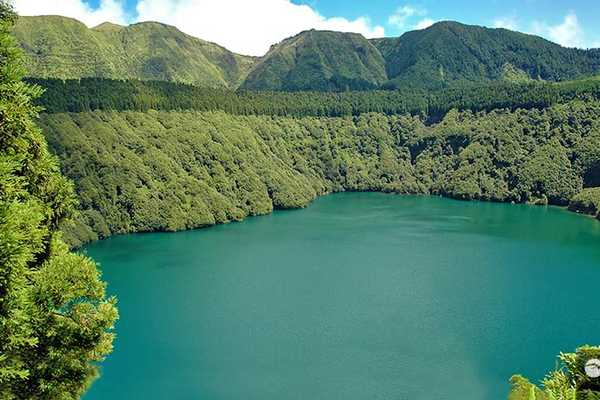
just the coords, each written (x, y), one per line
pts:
(117, 130)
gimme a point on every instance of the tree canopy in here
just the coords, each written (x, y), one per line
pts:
(55, 318)
(90, 94)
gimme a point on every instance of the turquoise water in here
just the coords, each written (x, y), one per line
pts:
(359, 296)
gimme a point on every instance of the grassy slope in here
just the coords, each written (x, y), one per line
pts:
(319, 60)
(65, 48)
(450, 51)
(446, 53)
(180, 170)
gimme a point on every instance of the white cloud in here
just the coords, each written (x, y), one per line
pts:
(109, 10)
(243, 26)
(247, 27)
(506, 23)
(400, 18)
(424, 23)
(404, 17)
(251, 26)
(568, 33)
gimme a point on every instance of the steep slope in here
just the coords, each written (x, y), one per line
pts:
(452, 52)
(319, 60)
(447, 53)
(64, 48)
(174, 170)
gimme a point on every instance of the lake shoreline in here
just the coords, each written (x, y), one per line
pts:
(563, 207)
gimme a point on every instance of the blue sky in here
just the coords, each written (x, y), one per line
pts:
(482, 12)
(250, 26)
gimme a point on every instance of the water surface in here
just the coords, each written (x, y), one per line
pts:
(360, 296)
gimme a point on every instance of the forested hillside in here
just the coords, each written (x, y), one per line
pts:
(60, 47)
(163, 170)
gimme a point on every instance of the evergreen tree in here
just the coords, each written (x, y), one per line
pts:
(55, 319)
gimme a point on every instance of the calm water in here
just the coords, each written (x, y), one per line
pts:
(360, 296)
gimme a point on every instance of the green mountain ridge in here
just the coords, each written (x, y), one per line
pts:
(65, 48)
(449, 52)
(108, 27)
(445, 54)
(319, 60)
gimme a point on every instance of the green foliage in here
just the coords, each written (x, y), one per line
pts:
(587, 158)
(180, 170)
(587, 201)
(522, 389)
(60, 47)
(167, 170)
(568, 382)
(55, 320)
(548, 175)
(102, 94)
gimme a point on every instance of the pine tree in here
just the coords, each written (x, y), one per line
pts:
(55, 318)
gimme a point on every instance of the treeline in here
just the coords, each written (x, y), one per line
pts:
(168, 171)
(90, 94)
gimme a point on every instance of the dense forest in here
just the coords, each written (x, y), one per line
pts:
(93, 94)
(174, 170)
(55, 319)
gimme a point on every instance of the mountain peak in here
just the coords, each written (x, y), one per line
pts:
(65, 48)
(444, 54)
(319, 60)
(54, 19)
(108, 27)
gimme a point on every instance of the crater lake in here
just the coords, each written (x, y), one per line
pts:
(359, 296)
